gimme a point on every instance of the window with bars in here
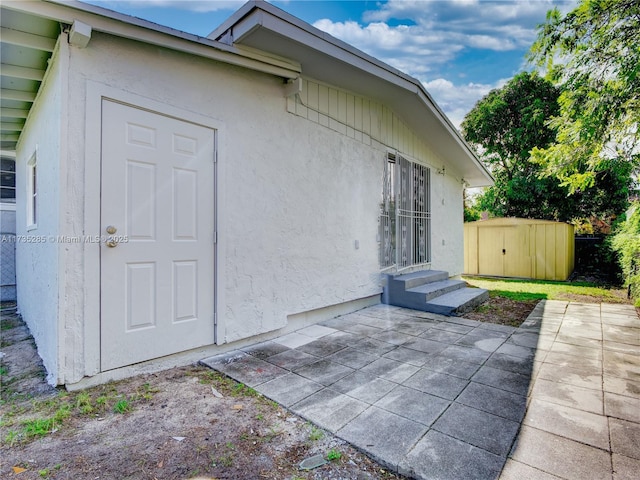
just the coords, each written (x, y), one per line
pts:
(405, 214)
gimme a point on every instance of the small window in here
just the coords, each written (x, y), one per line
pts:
(7, 180)
(32, 192)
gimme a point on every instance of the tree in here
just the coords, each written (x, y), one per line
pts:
(503, 127)
(510, 122)
(593, 52)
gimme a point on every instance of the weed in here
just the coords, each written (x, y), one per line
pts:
(3, 371)
(39, 427)
(225, 460)
(260, 417)
(83, 403)
(334, 454)
(11, 437)
(271, 435)
(44, 473)
(122, 406)
(316, 433)
(148, 391)
(240, 389)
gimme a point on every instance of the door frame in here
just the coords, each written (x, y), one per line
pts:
(95, 94)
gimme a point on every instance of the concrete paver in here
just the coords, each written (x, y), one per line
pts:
(560, 456)
(435, 397)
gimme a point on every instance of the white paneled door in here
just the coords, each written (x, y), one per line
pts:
(157, 219)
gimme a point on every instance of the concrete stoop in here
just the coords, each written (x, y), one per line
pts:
(432, 291)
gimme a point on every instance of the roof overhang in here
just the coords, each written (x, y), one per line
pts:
(261, 26)
(30, 30)
(259, 36)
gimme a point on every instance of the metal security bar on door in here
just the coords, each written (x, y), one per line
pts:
(405, 217)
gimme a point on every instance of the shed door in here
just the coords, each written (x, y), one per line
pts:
(157, 277)
(504, 251)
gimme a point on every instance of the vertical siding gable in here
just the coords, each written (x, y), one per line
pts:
(363, 119)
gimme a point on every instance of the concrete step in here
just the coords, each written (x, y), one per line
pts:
(415, 279)
(457, 302)
(432, 290)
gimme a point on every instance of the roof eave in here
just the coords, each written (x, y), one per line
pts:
(261, 25)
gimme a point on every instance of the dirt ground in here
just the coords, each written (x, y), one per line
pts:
(181, 423)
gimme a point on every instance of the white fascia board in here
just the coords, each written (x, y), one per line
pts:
(260, 14)
(107, 21)
(257, 14)
(429, 103)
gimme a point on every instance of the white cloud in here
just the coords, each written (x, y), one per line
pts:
(458, 100)
(425, 38)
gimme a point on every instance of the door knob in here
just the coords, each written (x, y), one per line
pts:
(111, 243)
(111, 229)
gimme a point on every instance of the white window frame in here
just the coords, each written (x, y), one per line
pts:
(32, 192)
(12, 200)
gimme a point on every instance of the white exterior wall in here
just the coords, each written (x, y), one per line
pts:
(372, 123)
(447, 232)
(294, 197)
(37, 259)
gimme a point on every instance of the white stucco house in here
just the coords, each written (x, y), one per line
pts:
(178, 196)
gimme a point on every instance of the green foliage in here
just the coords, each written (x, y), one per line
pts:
(334, 454)
(471, 210)
(503, 127)
(122, 406)
(594, 53)
(508, 124)
(315, 434)
(539, 289)
(626, 243)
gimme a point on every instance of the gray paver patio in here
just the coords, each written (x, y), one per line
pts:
(435, 397)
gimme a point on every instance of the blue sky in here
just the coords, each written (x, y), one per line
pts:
(459, 49)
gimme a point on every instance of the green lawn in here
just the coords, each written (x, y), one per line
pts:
(542, 289)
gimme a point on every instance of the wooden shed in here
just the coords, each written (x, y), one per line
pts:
(519, 247)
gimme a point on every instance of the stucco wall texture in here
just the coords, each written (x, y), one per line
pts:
(297, 202)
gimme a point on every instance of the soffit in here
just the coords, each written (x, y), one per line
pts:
(26, 44)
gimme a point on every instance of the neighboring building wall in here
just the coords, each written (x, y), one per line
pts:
(7, 252)
(7, 227)
(36, 248)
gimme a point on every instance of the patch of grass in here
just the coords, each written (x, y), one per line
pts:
(122, 406)
(84, 403)
(334, 454)
(146, 391)
(38, 427)
(224, 460)
(522, 290)
(315, 434)
(11, 437)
